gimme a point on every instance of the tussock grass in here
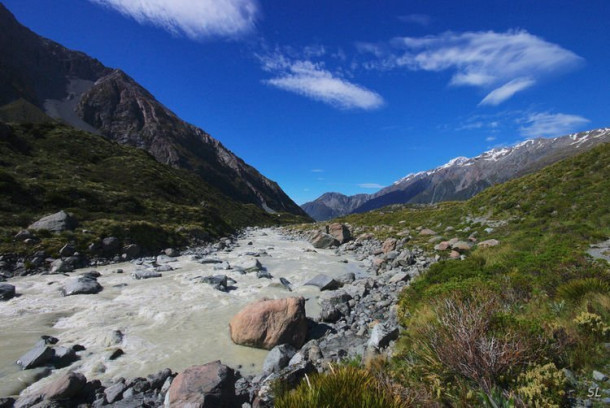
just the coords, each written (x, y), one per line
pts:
(343, 387)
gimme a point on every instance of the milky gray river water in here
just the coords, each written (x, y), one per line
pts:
(167, 322)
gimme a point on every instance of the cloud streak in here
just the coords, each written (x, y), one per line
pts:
(506, 91)
(312, 80)
(501, 63)
(370, 185)
(197, 20)
(550, 124)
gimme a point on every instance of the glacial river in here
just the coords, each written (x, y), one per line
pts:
(167, 322)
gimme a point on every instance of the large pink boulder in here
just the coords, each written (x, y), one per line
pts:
(340, 232)
(208, 385)
(266, 323)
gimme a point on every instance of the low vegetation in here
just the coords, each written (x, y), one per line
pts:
(343, 387)
(501, 327)
(112, 190)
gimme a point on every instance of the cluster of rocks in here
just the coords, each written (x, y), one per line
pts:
(249, 263)
(357, 319)
(72, 389)
(100, 251)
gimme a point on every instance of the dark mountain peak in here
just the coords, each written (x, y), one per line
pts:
(38, 68)
(6, 16)
(331, 205)
(79, 90)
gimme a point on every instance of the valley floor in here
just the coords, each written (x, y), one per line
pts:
(172, 321)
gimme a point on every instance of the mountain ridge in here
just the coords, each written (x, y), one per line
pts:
(79, 90)
(462, 177)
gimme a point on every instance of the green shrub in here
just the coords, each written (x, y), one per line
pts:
(543, 386)
(576, 289)
(346, 387)
(591, 323)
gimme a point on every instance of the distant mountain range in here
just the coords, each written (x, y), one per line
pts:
(462, 177)
(80, 91)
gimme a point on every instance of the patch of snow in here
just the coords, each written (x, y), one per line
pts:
(408, 177)
(458, 161)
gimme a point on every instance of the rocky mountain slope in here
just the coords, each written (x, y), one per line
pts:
(462, 177)
(79, 90)
(111, 191)
(332, 205)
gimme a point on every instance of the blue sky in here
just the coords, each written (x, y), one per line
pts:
(351, 95)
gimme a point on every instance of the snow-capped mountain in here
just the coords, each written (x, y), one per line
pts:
(462, 177)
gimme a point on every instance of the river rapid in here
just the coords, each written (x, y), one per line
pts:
(170, 321)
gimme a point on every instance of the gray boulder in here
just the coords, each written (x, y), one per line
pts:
(278, 358)
(61, 266)
(335, 306)
(489, 243)
(81, 285)
(57, 222)
(209, 385)
(382, 335)
(223, 266)
(210, 261)
(131, 251)
(23, 235)
(164, 268)
(143, 274)
(263, 274)
(399, 277)
(111, 245)
(324, 282)
(36, 357)
(323, 240)
(115, 391)
(172, 252)
(599, 376)
(251, 265)
(218, 282)
(405, 258)
(347, 278)
(7, 291)
(64, 356)
(67, 250)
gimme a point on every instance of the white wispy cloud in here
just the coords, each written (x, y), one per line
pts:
(505, 63)
(311, 79)
(506, 91)
(490, 138)
(195, 19)
(550, 124)
(370, 185)
(317, 170)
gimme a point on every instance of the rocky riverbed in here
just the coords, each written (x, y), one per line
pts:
(173, 311)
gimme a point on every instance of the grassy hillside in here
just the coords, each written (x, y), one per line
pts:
(498, 328)
(112, 190)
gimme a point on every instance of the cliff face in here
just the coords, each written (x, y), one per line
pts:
(124, 111)
(79, 90)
